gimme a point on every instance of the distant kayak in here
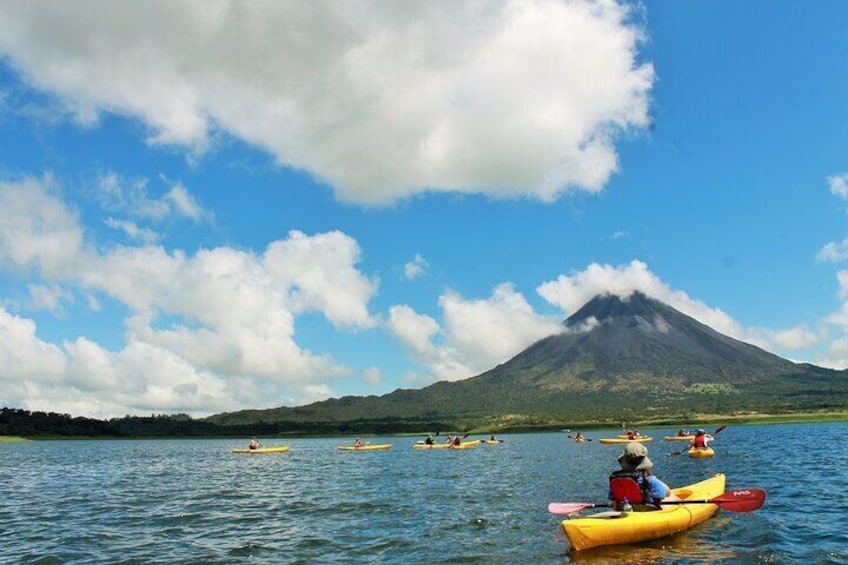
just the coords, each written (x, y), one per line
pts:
(466, 444)
(679, 438)
(379, 447)
(269, 449)
(700, 453)
(493, 441)
(422, 445)
(640, 439)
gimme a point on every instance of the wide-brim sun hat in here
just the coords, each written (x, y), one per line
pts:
(635, 457)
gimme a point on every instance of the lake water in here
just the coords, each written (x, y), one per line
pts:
(192, 501)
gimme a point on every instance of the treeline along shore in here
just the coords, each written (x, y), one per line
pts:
(18, 423)
(24, 423)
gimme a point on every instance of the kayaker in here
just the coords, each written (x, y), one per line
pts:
(358, 443)
(634, 484)
(253, 444)
(701, 440)
(457, 441)
(429, 440)
(682, 433)
(579, 436)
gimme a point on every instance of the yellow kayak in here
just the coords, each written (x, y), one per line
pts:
(270, 449)
(422, 445)
(614, 528)
(700, 453)
(679, 438)
(380, 447)
(640, 439)
(466, 444)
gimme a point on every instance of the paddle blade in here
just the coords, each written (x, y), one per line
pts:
(568, 507)
(741, 500)
(572, 507)
(720, 428)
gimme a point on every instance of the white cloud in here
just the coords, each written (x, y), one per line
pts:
(490, 331)
(569, 293)
(415, 330)
(132, 197)
(132, 230)
(206, 332)
(478, 334)
(834, 252)
(415, 268)
(320, 272)
(184, 203)
(372, 376)
(24, 358)
(510, 98)
(47, 297)
(839, 185)
(37, 231)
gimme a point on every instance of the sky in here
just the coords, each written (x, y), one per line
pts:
(208, 206)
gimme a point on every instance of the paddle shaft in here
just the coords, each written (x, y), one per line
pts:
(742, 500)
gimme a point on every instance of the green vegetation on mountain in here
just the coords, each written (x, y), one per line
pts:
(616, 359)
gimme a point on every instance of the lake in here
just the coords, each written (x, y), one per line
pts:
(193, 501)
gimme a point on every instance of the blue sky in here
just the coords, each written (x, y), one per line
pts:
(213, 206)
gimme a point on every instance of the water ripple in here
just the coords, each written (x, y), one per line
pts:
(192, 501)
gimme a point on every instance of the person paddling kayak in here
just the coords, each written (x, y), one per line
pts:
(701, 440)
(633, 487)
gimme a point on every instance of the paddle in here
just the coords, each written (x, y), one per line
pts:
(742, 500)
(675, 453)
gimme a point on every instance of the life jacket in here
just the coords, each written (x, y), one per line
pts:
(699, 442)
(625, 486)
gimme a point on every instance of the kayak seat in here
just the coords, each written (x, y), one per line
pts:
(625, 488)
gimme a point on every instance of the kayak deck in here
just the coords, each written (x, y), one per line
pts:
(633, 527)
(380, 447)
(422, 445)
(270, 449)
(700, 453)
(615, 440)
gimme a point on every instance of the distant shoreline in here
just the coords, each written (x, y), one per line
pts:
(672, 423)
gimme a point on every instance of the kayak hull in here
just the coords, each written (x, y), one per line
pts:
(635, 527)
(679, 438)
(381, 447)
(615, 440)
(704, 453)
(272, 449)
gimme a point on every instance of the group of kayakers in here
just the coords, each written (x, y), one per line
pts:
(450, 440)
